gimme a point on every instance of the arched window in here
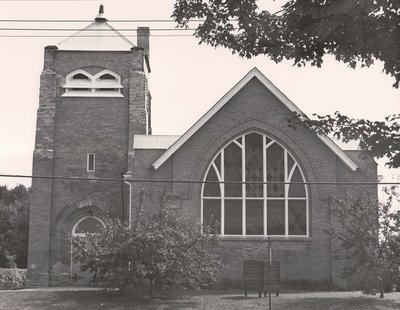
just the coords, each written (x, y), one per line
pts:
(107, 76)
(80, 83)
(87, 224)
(80, 76)
(275, 204)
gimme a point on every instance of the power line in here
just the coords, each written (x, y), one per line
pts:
(189, 181)
(94, 30)
(63, 36)
(91, 20)
(91, 33)
(55, 0)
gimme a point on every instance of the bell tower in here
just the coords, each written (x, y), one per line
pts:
(94, 98)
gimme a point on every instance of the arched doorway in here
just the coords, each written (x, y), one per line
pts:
(85, 225)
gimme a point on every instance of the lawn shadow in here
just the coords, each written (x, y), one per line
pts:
(134, 300)
(240, 297)
(355, 303)
(114, 300)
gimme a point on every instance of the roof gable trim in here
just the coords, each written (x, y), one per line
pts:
(232, 92)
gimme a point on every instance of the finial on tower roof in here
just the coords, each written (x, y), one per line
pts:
(100, 17)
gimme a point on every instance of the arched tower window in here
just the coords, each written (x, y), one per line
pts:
(80, 83)
(87, 224)
(107, 76)
(80, 76)
(278, 207)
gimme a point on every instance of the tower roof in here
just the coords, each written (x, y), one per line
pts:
(98, 36)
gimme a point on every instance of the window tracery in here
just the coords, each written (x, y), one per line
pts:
(275, 204)
(87, 224)
(80, 83)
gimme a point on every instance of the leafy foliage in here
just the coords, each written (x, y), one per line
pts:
(14, 226)
(163, 248)
(369, 238)
(12, 279)
(380, 139)
(303, 30)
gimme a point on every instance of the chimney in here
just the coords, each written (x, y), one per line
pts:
(49, 52)
(143, 34)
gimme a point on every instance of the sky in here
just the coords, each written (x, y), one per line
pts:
(186, 78)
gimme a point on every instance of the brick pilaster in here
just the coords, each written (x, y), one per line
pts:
(41, 203)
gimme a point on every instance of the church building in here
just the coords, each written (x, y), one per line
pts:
(94, 139)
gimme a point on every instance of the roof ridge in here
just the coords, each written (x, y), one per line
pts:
(254, 72)
(98, 35)
(74, 34)
(119, 34)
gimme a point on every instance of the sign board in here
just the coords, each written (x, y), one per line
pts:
(256, 276)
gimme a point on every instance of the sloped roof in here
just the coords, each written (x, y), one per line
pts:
(153, 141)
(98, 36)
(254, 73)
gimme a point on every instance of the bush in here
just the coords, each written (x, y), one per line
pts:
(12, 278)
(164, 249)
(228, 284)
(369, 239)
(306, 285)
(14, 226)
(7, 260)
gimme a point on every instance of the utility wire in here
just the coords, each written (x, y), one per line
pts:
(63, 36)
(94, 30)
(55, 0)
(188, 181)
(91, 20)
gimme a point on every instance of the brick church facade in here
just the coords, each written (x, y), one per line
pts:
(94, 123)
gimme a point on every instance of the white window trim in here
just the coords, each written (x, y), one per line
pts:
(265, 198)
(74, 234)
(94, 84)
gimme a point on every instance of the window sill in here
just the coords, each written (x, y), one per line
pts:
(92, 95)
(265, 239)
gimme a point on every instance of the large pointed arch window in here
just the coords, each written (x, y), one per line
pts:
(255, 188)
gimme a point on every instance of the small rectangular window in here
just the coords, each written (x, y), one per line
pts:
(90, 162)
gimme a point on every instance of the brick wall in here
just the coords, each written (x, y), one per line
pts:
(40, 211)
(68, 128)
(255, 108)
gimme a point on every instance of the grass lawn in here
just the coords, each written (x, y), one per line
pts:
(44, 299)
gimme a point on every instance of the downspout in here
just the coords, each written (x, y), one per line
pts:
(128, 176)
(330, 245)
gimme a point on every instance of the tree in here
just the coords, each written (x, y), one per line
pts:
(378, 138)
(164, 248)
(14, 226)
(354, 31)
(369, 238)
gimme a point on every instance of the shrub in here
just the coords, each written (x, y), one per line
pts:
(369, 239)
(12, 278)
(7, 260)
(14, 226)
(163, 249)
(306, 285)
(228, 284)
